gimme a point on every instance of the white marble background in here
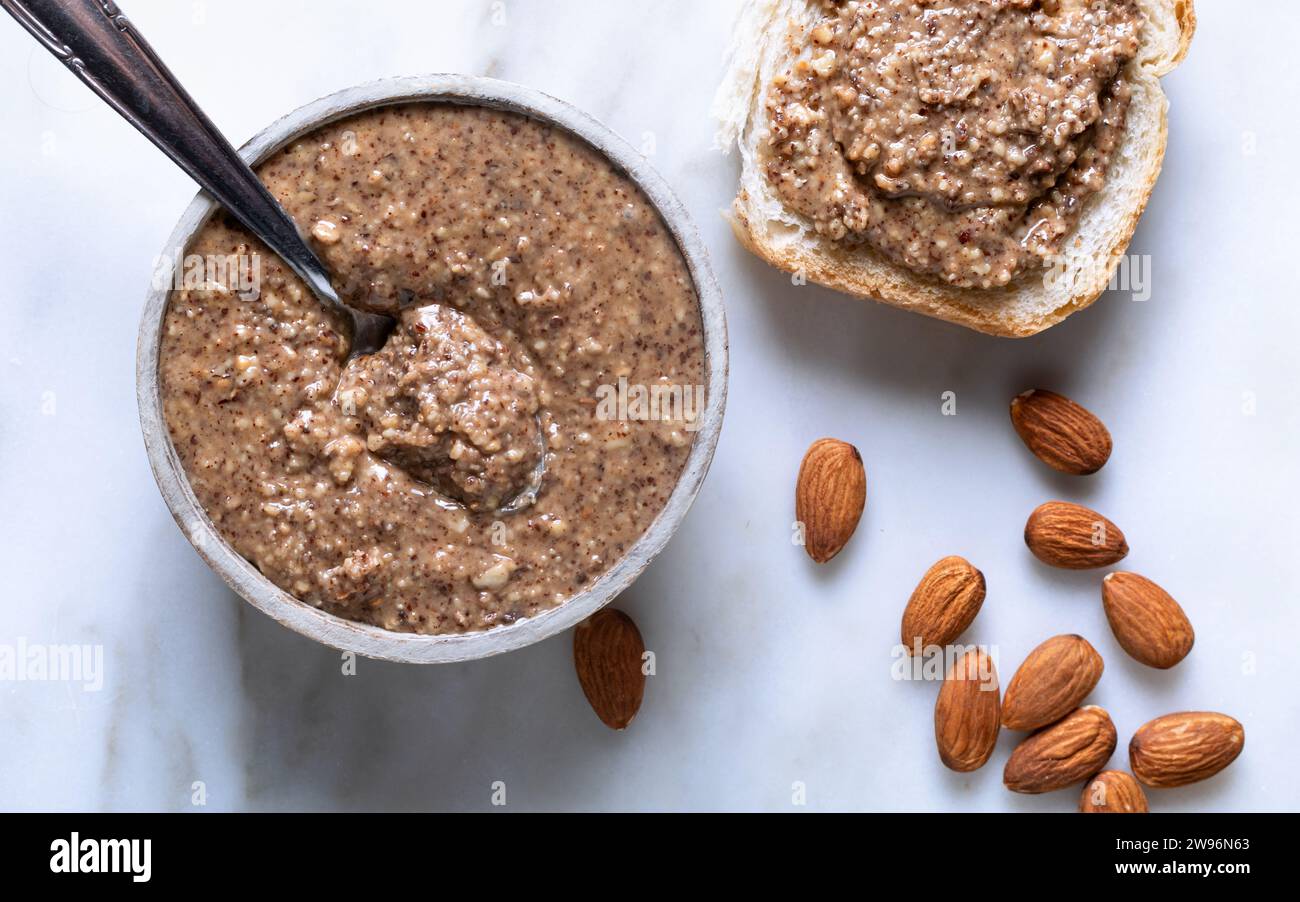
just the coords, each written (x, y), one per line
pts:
(769, 672)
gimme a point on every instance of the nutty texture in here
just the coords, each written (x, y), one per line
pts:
(961, 139)
(528, 274)
(451, 406)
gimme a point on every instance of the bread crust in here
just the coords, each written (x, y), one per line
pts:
(1030, 303)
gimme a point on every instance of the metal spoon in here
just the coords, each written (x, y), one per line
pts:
(103, 49)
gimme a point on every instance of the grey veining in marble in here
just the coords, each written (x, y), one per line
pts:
(770, 674)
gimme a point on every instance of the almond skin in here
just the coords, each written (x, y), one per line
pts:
(967, 713)
(1147, 622)
(1068, 752)
(1073, 537)
(943, 604)
(829, 496)
(1051, 683)
(1113, 792)
(607, 651)
(1183, 748)
(1060, 433)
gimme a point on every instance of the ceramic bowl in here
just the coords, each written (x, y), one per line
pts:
(374, 641)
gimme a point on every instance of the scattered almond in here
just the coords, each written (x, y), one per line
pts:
(607, 652)
(1148, 623)
(1060, 433)
(1073, 537)
(1183, 748)
(829, 496)
(943, 604)
(1113, 792)
(967, 712)
(1055, 678)
(1069, 751)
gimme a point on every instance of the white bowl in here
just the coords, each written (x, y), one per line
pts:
(374, 641)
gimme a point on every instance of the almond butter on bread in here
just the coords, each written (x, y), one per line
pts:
(878, 156)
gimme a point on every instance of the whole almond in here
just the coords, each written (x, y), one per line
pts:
(1183, 748)
(1073, 537)
(943, 604)
(967, 712)
(1068, 752)
(1113, 792)
(1148, 623)
(1051, 683)
(607, 652)
(1060, 433)
(829, 496)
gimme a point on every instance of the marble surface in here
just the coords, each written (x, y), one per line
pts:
(771, 674)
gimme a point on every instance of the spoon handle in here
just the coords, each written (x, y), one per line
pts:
(104, 50)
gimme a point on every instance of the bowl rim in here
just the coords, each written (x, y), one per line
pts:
(373, 641)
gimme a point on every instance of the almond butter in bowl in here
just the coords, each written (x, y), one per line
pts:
(476, 476)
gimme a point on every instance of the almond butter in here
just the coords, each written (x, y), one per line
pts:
(1113, 792)
(1073, 537)
(1068, 752)
(1183, 748)
(943, 604)
(607, 653)
(1146, 620)
(829, 496)
(1055, 678)
(1060, 433)
(967, 712)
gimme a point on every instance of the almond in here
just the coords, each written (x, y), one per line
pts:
(607, 652)
(943, 604)
(1051, 683)
(1069, 751)
(1113, 792)
(1178, 749)
(1073, 537)
(1060, 433)
(829, 496)
(1148, 623)
(967, 713)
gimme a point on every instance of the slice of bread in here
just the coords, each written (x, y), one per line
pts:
(1035, 300)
